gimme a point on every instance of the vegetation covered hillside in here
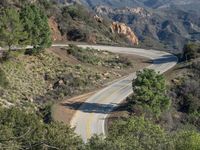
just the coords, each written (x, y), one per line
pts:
(165, 28)
(158, 116)
(160, 24)
(73, 22)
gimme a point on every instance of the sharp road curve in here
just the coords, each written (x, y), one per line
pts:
(90, 118)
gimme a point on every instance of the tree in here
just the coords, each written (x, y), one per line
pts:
(36, 25)
(150, 91)
(11, 29)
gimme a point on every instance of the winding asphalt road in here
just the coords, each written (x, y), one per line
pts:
(90, 117)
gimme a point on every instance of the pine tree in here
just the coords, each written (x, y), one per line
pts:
(36, 25)
(11, 29)
(150, 91)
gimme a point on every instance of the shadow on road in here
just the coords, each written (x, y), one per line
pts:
(163, 59)
(91, 107)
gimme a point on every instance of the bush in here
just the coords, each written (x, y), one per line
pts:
(188, 95)
(5, 56)
(76, 11)
(83, 55)
(186, 98)
(120, 61)
(191, 51)
(3, 80)
(76, 35)
(186, 140)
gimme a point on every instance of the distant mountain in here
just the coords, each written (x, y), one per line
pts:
(140, 3)
(166, 24)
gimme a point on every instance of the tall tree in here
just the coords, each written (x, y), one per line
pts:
(11, 29)
(36, 25)
(150, 91)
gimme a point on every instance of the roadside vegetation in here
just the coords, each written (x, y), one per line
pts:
(97, 57)
(160, 116)
(22, 130)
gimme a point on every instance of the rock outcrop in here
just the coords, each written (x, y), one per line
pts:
(124, 30)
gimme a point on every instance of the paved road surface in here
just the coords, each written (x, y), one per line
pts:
(90, 118)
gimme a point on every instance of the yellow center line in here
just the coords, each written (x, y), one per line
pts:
(88, 125)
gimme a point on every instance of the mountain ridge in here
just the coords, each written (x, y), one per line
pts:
(161, 24)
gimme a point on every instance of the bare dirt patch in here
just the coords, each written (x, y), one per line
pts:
(62, 113)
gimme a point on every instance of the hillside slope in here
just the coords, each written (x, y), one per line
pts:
(162, 24)
(165, 28)
(71, 21)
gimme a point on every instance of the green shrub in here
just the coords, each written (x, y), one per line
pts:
(76, 11)
(3, 79)
(187, 140)
(191, 51)
(83, 55)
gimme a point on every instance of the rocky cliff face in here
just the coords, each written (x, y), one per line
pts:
(123, 30)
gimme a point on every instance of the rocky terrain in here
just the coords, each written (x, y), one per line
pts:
(162, 24)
